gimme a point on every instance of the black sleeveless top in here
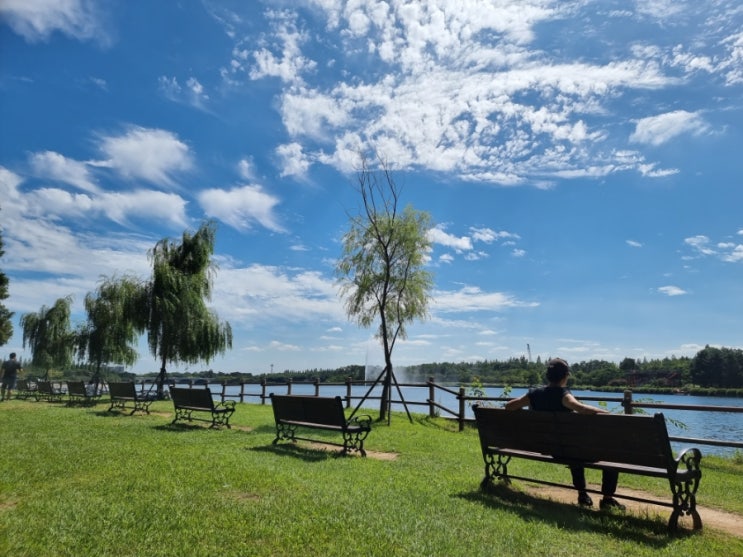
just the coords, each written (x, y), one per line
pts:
(548, 399)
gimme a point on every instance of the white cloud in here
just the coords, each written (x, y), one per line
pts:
(241, 207)
(244, 294)
(246, 168)
(292, 160)
(284, 58)
(150, 154)
(489, 236)
(37, 20)
(634, 243)
(700, 243)
(437, 235)
(58, 167)
(671, 290)
(192, 94)
(656, 130)
(472, 298)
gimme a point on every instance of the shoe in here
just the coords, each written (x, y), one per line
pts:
(584, 500)
(611, 503)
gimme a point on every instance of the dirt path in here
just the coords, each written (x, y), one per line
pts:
(729, 523)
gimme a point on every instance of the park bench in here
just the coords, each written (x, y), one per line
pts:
(25, 388)
(125, 395)
(80, 393)
(46, 390)
(321, 413)
(629, 444)
(186, 401)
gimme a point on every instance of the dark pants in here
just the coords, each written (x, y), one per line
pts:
(609, 480)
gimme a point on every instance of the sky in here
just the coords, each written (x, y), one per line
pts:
(581, 163)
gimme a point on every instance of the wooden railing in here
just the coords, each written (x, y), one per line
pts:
(260, 392)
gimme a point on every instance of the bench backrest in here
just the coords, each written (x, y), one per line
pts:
(308, 408)
(45, 387)
(629, 439)
(76, 388)
(122, 390)
(199, 398)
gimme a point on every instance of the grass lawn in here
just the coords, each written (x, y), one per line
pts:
(82, 481)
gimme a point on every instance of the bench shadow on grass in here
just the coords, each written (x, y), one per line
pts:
(648, 531)
(301, 452)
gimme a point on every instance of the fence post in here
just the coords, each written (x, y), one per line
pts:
(431, 396)
(317, 386)
(627, 402)
(460, 396)
(289, 386)
(263, 390)
(224, 390)
(242, 391)
(348, 391)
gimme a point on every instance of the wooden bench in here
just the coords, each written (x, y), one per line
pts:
(46, 390)
(25, 388)
(78, 393)
(125, 395)
(629, 444)
(186, 401)
(322, 413)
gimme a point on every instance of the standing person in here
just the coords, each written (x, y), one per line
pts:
(10, 368)
(556, 397)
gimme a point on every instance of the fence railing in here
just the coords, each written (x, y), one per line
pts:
(244, 392)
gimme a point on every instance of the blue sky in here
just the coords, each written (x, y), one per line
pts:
(581, 162)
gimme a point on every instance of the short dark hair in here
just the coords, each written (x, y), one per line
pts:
(557, 369)
(12, 355)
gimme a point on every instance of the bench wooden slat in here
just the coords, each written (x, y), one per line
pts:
(624, 443)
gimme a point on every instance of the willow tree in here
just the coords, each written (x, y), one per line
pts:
(382, 270)
(173, 312)
(49, 337)
(110, 334)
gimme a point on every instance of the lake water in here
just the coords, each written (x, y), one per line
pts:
(727, 426)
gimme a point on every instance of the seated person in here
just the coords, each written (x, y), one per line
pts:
(556, 397)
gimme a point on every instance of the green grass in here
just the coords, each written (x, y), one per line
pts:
(82, 481)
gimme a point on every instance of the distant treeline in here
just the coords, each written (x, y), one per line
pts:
(712, 370)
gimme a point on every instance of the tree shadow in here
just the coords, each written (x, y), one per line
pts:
(646, 530)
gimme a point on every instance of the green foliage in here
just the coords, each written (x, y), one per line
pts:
(109, 334)
(6, 325)
(48, 335)
(172, 306)
(718, 367)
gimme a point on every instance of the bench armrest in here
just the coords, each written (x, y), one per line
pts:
(689, 460)
(229, 404)
(362, 420)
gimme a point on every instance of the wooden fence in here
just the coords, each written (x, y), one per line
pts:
(260, 393)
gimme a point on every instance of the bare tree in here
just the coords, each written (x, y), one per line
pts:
(382, 270)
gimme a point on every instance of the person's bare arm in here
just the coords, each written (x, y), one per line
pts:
(569, 401)
(518, 403)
